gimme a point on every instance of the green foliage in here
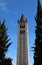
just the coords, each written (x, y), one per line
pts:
(38, 41)
(4, 44)
(6, 62)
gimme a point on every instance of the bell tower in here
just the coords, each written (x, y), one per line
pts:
(22, 45)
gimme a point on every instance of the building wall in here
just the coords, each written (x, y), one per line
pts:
(22, 45)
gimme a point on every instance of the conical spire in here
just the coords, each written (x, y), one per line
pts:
(22, 18)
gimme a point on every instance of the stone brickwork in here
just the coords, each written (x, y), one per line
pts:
(22, 44)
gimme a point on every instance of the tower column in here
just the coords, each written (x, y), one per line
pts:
(22, 45)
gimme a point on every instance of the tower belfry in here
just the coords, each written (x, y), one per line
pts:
(22, 46)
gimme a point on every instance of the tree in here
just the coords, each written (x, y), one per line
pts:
(4, 43)
(38, 41)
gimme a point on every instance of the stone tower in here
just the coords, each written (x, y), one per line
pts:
(22, 46)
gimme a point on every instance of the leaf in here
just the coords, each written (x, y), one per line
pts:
(9, 44)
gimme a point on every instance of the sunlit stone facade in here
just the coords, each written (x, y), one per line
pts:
(22, 45)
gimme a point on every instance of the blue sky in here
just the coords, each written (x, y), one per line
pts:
(11, 11)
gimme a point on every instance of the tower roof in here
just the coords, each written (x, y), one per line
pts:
(23, 19)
